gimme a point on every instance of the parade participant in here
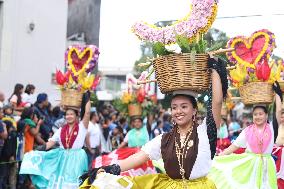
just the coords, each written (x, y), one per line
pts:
(256, 166)
(278, 152)
(187, 150)
(62, 166)
(138, 135)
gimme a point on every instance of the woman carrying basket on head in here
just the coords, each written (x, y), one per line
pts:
(61, 167)
(256, 167)
(187, 150)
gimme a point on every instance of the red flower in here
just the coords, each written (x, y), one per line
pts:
(96, 82)
(61, 78)
(258, 71)
(265, 70)
(141, 95)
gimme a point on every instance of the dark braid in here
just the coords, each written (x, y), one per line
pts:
(211, 125)
(220, 66)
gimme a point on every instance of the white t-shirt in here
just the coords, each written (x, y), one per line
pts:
(79, 141)
(28, 98)
(203, 161)
(14, 99)
(95, 134)
(242, 142)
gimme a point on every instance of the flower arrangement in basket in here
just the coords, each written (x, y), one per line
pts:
(80, 61)
(254, 74)
(181, 54)
(136, 103)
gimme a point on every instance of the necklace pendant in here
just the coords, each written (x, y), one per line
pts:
(190, 144)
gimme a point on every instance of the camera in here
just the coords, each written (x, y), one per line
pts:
(42, 117)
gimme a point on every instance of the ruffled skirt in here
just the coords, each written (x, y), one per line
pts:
(58, 168)
(279, 153)
(244, 171)
(151, 181)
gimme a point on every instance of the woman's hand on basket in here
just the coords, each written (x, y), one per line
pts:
(220, 66)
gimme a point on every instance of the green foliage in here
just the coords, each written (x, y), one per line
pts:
(182, 42)
(121, 107)
(214, 39)
(94, 99)
(159, 49)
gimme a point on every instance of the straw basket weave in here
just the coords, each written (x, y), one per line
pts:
(182, 71)
(71, 98)
(134, 110)
(257, 93)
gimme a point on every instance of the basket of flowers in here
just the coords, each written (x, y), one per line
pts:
(187, 70)
(80, 62)
(180, 51)
(254, 73)
(135, 103)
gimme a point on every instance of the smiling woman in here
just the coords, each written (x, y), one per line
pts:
(187, 150)
(256, 165)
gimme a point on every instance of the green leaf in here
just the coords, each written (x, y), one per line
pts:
(216, 46)
(159, 49)
(183, 43)
(151, 72)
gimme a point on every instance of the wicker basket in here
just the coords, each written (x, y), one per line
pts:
(257, 93)
(182, 71)
(71, 98)
(134, 110)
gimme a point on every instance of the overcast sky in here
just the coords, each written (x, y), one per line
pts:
(120, 48)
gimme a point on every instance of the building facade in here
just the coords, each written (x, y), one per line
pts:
(32, 44)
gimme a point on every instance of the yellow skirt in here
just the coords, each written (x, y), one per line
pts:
(150, 181)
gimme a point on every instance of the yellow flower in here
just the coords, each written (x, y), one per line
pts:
(238, 75)
(86, 80)
(126, 98)
(275, 73)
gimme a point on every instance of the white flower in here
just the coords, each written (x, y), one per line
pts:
(173, 48)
